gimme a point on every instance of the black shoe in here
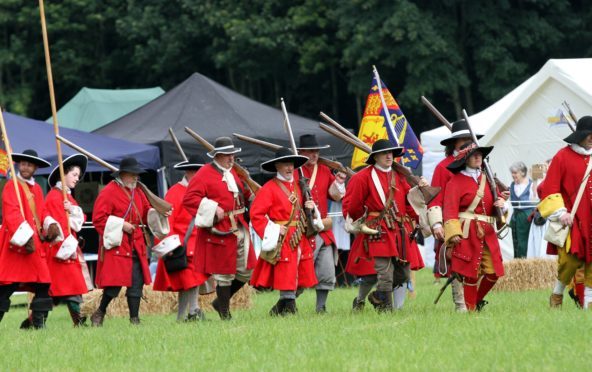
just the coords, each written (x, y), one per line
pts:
(358, 305)
(278, 308)
(481, 304)
(572, 294)
(97, 318)
(222, 302)
(135, 320)
(26, 324)
(375, 299)
(198, 316)
(290, 307)
(381, 301)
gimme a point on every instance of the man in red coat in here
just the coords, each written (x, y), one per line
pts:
(187, 280)
(323, 185)
(469, 225)
(459, 136)
(569, 169)
(120, 214)
(217, 197)
(378, 195)
(23, 262)
(279, 218)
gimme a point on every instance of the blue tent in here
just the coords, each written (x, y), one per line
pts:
(25, 133)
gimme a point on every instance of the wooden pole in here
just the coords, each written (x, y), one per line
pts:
(177, 144)
(53, 105)
(10, 163)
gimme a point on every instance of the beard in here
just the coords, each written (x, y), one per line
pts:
(131, 185)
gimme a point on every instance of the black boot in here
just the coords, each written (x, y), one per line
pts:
(74, 310)
(358, 305)
(290, 307)
(40, 308)
(278, 308)
(235, 286)
(222, 303)
(381, 300)
(4, 307)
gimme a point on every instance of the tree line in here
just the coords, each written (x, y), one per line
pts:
(318, 54)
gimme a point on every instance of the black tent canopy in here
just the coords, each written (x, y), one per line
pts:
(213, 110)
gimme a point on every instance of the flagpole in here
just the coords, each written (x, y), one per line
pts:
(10, 163)
(53, 104)
(384, 105)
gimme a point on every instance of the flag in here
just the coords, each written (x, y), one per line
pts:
(4, 166)
(375, 126)
(558, 119)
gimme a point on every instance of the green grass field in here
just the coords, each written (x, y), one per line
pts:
(516, 331)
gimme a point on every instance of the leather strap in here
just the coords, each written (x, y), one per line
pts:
(582, 187)
(31, 200)
(313, 177)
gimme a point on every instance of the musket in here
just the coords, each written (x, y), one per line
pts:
(499, 213)
(273, 147)
(448, 125)
(436, 113)
(159, 204)
(572, 116)
(303, 181)
(242, 172)
(428, 192)
(177, 144)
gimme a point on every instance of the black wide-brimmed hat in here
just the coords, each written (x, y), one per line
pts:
(77, 160)
(583, 129)
(31, 156)
(283, 155)
(223, 145)
(460, 129)
(384, 145)
(128, 165)
(309, 142)
(468, 149)
(193, 163)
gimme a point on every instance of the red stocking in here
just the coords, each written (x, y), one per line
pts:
(485, 286)
(580, 293)
(470, 289)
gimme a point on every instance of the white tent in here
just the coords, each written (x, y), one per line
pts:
(517, 125)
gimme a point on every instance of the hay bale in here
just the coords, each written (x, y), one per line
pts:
(528, 274)
(157, 302)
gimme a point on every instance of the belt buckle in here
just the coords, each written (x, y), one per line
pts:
(292, 198)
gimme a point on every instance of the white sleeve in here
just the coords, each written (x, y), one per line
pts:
(113, 234)
(270, 236)
(206, 213)
(22, 234)
(76, 218)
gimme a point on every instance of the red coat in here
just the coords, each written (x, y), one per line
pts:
(320, 195)
(361, 193)
(66, 276)
(16, 266)
(466, 256)
(179, 221)
(565, 176)
(440, 178)
(114, 267)
(288, 273)
(216, 254)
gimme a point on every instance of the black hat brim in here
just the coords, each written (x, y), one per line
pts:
(313, 147)
(214, 152)
(78, 160)
(185, 165)
(453, 138)
(132, 170)
(298, 161)
(40, 163)
(458, 165)
(396, 150)
(577, 136)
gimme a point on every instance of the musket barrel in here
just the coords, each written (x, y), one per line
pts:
(436, 113)
(177, 144)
